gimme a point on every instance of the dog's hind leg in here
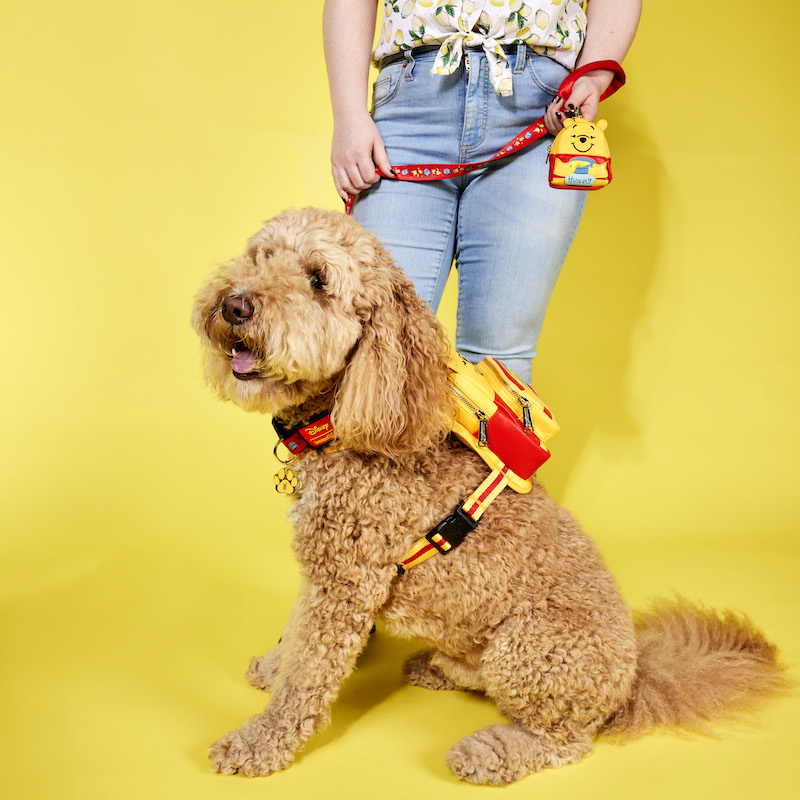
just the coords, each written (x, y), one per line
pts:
(418, 671)
(546, 730)
(501, 754)
(556, 683)
(432, 669)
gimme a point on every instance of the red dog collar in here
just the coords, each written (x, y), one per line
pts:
(316, 434)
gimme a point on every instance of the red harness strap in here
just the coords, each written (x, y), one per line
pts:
(531, 134)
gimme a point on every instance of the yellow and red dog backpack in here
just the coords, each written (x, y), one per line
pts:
(506, 423)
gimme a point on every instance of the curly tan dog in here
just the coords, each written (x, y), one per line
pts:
(315, 316)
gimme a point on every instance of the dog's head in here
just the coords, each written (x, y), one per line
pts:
(315, 306)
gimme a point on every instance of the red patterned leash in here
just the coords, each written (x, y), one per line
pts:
(531, 134)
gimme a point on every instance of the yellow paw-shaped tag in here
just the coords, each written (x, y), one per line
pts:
(286, 482)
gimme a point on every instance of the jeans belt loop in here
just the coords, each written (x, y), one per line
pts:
(410, 61)
(519, 62)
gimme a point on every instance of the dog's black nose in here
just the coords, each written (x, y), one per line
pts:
(237, 309)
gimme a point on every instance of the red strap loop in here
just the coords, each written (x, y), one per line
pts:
(617, 82)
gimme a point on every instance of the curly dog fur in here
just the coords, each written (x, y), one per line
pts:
(524, 611)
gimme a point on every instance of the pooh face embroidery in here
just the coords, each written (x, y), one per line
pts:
(579, 156)
(584, 137)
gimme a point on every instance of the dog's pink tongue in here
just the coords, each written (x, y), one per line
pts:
(243, 362)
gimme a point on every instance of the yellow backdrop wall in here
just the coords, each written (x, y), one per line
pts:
(144, 555)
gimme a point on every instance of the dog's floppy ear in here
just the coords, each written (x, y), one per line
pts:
(393, 396)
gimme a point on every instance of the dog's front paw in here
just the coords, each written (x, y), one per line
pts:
(264, 669)
(247, 751)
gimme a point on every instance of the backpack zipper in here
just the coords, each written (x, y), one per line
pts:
(483, 420)
(527, 418)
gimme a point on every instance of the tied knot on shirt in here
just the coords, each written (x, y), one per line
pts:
(475, 30)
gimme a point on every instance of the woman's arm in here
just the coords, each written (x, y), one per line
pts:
(348, 28)
(610, 28)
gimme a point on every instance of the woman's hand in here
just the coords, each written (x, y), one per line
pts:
(610, 28)
(348, 28)
(585, 96)
(357, 149)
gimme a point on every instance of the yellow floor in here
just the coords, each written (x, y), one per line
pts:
(125, 659)
(144, 557)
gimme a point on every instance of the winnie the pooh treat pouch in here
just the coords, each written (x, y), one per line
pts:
(579, 156)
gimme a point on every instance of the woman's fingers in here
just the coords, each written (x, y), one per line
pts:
(554, 116)
(380, 157)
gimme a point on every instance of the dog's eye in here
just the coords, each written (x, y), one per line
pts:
(317, 284)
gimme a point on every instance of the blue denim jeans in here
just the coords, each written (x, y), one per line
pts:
(507, 230)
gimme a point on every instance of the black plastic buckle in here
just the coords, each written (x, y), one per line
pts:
(453, 529)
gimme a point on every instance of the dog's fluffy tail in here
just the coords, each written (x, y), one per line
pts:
(697, 668)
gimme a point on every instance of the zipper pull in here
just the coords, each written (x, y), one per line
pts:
(527, 419)
(483, 429)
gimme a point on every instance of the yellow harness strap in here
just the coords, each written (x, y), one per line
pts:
(452, 531)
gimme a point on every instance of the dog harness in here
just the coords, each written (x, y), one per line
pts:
(505, 422)
(497, 416)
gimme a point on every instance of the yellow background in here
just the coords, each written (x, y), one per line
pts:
(144, 553)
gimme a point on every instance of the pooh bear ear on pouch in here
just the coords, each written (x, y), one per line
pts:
(601, 124)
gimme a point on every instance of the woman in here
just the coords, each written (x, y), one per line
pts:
(457, 81)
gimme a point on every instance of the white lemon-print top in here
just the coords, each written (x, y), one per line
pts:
(553, 28)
